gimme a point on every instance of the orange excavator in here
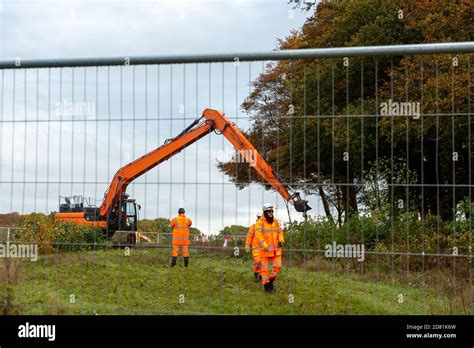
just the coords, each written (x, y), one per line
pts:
(118, 212)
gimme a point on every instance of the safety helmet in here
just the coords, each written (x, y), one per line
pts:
(181, 210)
(267, 206)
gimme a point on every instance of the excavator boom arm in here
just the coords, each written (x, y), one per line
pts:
(140, 166)
(254, 158)
(246, 150)
(214, 120)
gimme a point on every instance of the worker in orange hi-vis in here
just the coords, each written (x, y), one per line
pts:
(180, 226)
(251, 243)
(270, 238)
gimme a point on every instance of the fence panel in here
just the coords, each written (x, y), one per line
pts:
(377, 139)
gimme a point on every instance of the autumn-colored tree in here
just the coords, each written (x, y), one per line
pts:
(11, 219)
(318, 122)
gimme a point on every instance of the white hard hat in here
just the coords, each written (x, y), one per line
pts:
(267, 206)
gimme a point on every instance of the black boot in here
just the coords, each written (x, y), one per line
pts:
(173, 261)
(186, 261)
(267, 288)
(272, 288)
(256, 276)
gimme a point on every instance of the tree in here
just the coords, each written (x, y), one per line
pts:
(11, 219)
(329, 151)
(162, 225)
(233, 231)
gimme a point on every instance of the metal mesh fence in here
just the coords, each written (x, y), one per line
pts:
(378, 140)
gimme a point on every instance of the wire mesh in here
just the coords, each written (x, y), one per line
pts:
(381, 147)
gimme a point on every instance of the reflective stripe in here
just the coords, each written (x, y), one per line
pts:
(180, 238)
(265, 231)
(180, 220)
(277, 264)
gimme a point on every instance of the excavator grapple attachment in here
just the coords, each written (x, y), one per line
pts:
(301, 206)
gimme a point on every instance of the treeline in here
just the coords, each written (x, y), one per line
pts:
(11, 219)
(162, 225)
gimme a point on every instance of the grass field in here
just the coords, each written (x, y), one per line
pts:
(109, 282)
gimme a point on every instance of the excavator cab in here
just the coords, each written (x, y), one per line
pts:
(123, 224)
(127, 219)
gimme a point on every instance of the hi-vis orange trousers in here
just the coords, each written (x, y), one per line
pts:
(185, 250)
(256, 261)
(266, 263)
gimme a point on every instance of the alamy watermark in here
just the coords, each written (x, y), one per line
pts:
(76, 109)
(394, 108)
(37, 331)
(18, 250)
(237, 156)
(352, 251)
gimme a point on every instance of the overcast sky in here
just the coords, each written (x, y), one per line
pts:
(134, 109)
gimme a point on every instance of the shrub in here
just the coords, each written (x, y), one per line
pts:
(37, 228)
(407, 233)
(52, 236)
(316, 233)
(70, 237)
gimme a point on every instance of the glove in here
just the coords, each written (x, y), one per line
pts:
(280, 244)
(247, 251)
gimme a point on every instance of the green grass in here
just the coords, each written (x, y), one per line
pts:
(108, 282)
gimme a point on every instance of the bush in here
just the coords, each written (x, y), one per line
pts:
(308, 234)
(407, 233)
(53, 236)
(37, 228)
(363, 230)
(70, 237)
(316, 233)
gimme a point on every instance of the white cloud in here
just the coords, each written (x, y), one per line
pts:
(38, 29)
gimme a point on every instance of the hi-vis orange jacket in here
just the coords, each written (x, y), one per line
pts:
(268, 236)
(251, 241)
(180, 226)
